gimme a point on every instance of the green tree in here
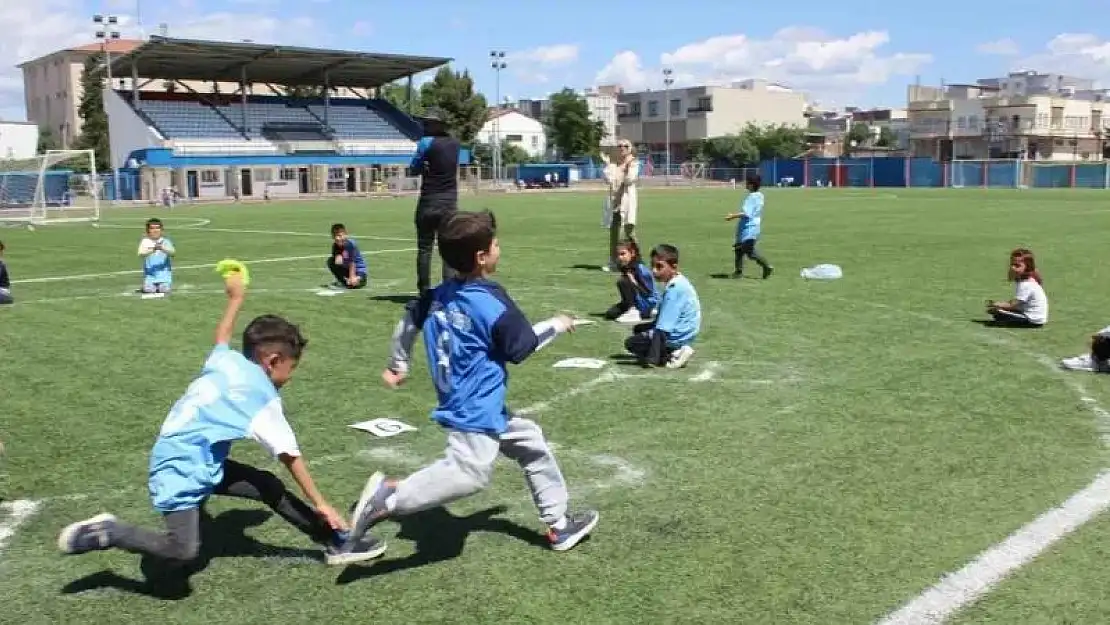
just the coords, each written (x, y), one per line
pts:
(47, 140)
(886, 138)
(451, 95)
(569, 127)
(860, 134)
(511, 154)
(396, 93)
(780, 141)
(94, 121)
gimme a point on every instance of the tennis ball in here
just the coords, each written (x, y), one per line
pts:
(229, 266)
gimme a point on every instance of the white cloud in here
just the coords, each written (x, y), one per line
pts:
(1075, 54)
(556, 55)
(362, 28)
(803, 58)
(1000, 47)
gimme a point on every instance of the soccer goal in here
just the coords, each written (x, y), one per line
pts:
(56, 187)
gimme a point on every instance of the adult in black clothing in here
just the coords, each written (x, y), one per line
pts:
(437, 162)
(5, 281)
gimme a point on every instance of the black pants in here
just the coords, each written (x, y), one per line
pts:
(341, 272)
(649, 345)
(5, 297)
(747, 248)
(431, 213)
(628, 299)
(1010, 319)
(180, 543)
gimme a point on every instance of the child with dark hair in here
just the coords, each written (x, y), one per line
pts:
(346, 263)
(5, 281)
(748, 230)
(636, 286)
(668, 340)
(236, 397)
(157, 251)
(1029, 307)
(472, 329)
(1097, 359)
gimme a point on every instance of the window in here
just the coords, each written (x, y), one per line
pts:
(288, 174)
(535, 141)
(676, 107)
(705, 103)
(210, 176)
(514, 138)
(653, 108)
(263, 175)
(635, 108)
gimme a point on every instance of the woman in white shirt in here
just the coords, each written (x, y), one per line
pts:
(1029, 307)
(623, 198)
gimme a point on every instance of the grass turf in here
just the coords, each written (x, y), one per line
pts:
(858, 438)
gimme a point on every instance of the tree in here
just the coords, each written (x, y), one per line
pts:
(772, 142)
(47, 141)
(511, 154)
(731, 151)
(886, 138)
(397, 94)
(569, 127)
(94, 121)
(451, 95)
(860, 134)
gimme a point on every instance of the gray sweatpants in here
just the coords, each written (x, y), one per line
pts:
(467, 466)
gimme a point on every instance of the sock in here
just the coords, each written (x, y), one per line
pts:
(560, 525)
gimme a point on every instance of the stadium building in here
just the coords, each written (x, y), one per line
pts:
(256, 141)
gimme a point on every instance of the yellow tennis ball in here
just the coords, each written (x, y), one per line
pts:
(229, 266)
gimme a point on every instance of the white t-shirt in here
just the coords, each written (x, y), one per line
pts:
(1032, 300)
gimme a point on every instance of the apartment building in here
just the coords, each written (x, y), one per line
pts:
(696, 113)
(982, 121)
(894, 120)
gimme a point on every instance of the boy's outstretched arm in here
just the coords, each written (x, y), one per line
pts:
(299, 470)
(404, 336)
(516, 339)
(236, 293)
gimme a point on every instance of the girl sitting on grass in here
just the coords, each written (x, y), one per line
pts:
(1029, 307)
(636, 286)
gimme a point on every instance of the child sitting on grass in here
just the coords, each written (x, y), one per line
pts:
(667, 341)
(1097, 360)
(346, 263)
(636, 287)
(236, 397)
(157, 252)
(1029, 307)
(5, 281)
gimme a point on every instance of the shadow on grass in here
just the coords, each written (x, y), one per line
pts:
(400, 299)
(221, 537)
(440, 536)
(584, 267)
(995, 323)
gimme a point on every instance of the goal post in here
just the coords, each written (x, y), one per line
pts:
(56, 187)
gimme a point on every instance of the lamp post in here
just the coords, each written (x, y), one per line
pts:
(668, 80)
(107, 30)
(497, 61)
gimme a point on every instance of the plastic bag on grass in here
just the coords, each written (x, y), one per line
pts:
(823, 272)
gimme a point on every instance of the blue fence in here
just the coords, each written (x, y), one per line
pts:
(926, 172)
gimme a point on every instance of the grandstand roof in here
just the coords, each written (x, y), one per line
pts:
(189, 59)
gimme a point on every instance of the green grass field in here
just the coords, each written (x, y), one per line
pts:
(830, 452)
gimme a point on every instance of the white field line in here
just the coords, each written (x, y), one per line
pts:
(13, 514)
(979, 577)
(133, 272)
(708, 373)
(962, 588)
(609, 375)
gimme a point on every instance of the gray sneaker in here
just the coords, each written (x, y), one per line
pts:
(578, 527)
(371, 509)
(336, 554)
(93, 534)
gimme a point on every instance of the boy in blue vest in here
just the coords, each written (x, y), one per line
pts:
(749, 228)
(668, 341)
(346, 263)
(157, 252)
(472, 329)
(236, 397)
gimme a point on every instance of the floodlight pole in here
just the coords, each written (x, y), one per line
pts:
(668, 80)
(498, 64)
(107, 30)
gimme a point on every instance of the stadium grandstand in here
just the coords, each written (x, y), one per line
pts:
(250, 135)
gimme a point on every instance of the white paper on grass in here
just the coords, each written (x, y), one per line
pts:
(152, 296)
(583, 322)
(580, 363)
(328, 292)
(383, 427)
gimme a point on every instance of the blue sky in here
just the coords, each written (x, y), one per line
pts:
(839, 54)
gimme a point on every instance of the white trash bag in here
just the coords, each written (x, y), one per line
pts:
(822, 272)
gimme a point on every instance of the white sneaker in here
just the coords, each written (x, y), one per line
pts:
(630, 316)
(1083, 362)
(680, 357)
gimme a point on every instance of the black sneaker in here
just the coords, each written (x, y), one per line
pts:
(578, 527)
(767, 271)
(93, 534)
(338, 552)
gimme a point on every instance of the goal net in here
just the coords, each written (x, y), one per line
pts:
(59, 186)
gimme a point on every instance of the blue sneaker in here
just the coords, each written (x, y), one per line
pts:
(372, 507)
(336, 553)
(93, 534)
(578, 527)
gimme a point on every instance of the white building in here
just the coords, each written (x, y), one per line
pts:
(601, 103)
(18, 140)
(513, 127)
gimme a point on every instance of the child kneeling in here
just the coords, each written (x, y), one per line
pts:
(1097, 360)
(636, 286)
(667, 341)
